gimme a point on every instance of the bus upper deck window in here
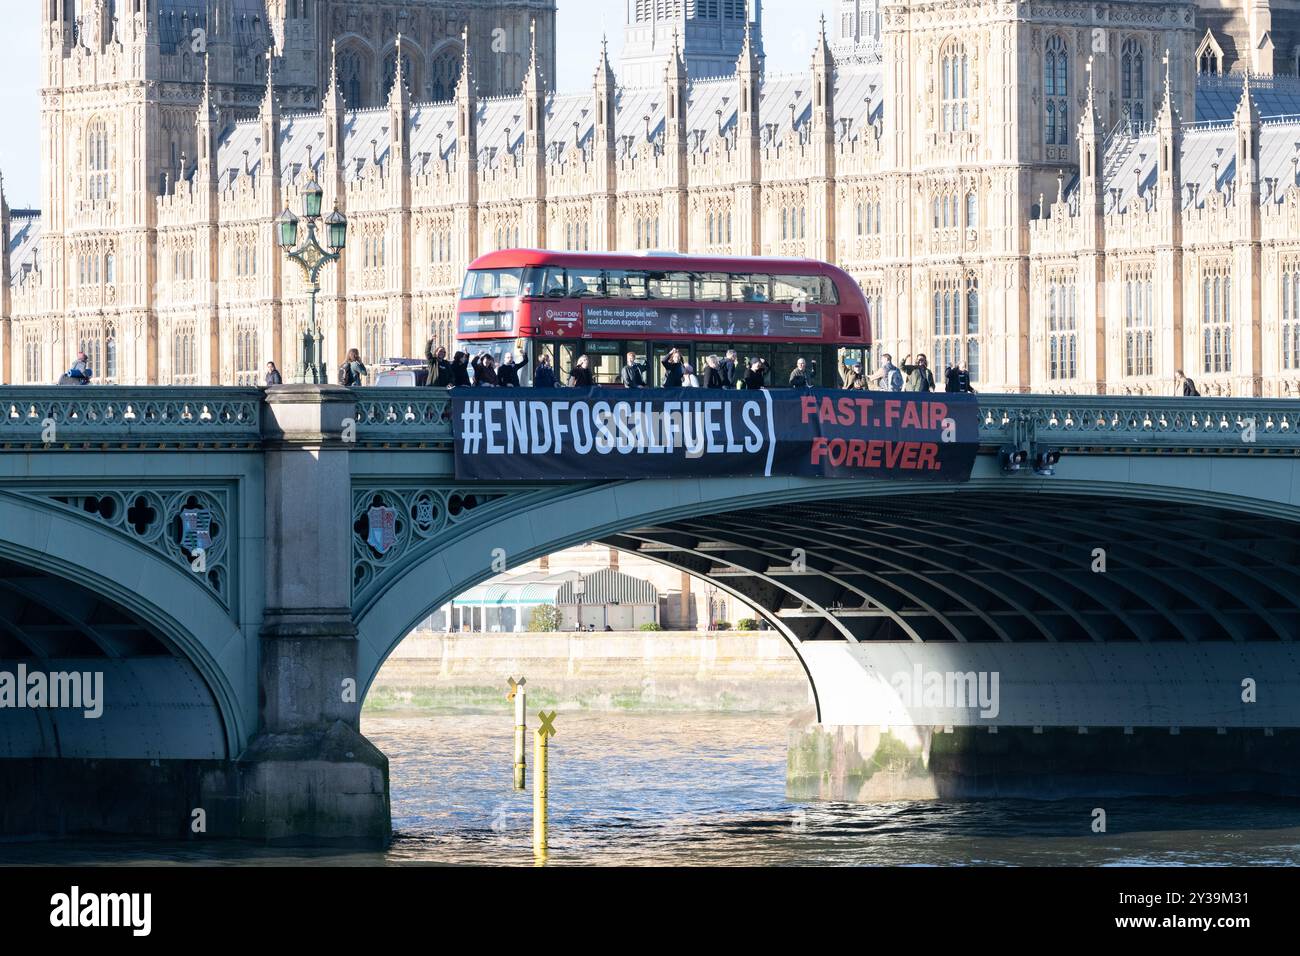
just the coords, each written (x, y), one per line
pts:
(491, 283)
(586, 283)
(669, 285)
(751, 288)
(796, 289)
(620, 284)
(549, 282)
(711, 287)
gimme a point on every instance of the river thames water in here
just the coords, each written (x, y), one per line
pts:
(705, 789)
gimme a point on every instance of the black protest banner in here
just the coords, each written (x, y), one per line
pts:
(575, 434)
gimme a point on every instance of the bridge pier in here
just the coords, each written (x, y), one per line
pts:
(308, 774)
(933, 721)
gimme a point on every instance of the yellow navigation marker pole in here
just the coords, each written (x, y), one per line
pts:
(519, 696)
(539, 784)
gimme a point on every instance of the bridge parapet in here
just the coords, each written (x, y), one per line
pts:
(198, 417)
(1069, 421)
(82, 416)
(1128, 423)
(403, 415)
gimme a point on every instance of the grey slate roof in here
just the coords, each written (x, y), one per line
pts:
(858, 89)
(24, 240)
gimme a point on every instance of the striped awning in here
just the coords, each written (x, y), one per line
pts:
(608, 586)
(521, 590)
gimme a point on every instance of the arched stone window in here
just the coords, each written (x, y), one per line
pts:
(954, 85)
(1139, 344)
(1216, 320)
(354, 77)
(444, 72)
(1133, 81)
(110, 352)
(1209, 55)
(97, 158)
(1291, 315)
(248, 355)
(1056, 93)
(390, 72)
(1062, 330)
(973, 326)
(184, 355)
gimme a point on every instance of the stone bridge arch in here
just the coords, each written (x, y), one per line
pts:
(203, 694)
(1012, 583)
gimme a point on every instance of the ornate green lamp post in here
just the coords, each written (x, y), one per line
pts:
(311, 256)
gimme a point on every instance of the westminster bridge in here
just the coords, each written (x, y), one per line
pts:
(210, 553)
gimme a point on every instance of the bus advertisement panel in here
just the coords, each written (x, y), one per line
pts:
(672, 321)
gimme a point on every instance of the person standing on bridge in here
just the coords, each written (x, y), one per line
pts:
(353, 371)
(544, 374)
(80, 373)
(713, 377)
(460, 370)
(632, 375)
(919, 376)
(273, 376)
(800, 377)
(958, 379)
(731, 370)
(853, 378)
(1184, 386)
(485, 372)
(580, 374)
(674, 372)
(439, 368)
(508, 371)
(889, 375)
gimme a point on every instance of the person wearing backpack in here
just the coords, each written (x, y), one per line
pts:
(79, 374)
(889, 375)
(1184, 386)
(352, 370)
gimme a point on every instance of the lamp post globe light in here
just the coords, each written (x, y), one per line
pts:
(311, 257)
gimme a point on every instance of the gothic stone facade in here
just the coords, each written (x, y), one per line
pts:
(1031, 188)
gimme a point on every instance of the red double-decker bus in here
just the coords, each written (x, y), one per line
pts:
(604, 305)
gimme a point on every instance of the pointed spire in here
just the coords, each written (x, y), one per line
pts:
(466, 107)
(748, 61)
(675, 71)
(533, 82)
(399, 97)
(269, 104)
(1089, 123)
(334, 93)
(604, 72)
(205, 105)
(465, 84)
(1246, 113)
(822, 54)
(1165, 114)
